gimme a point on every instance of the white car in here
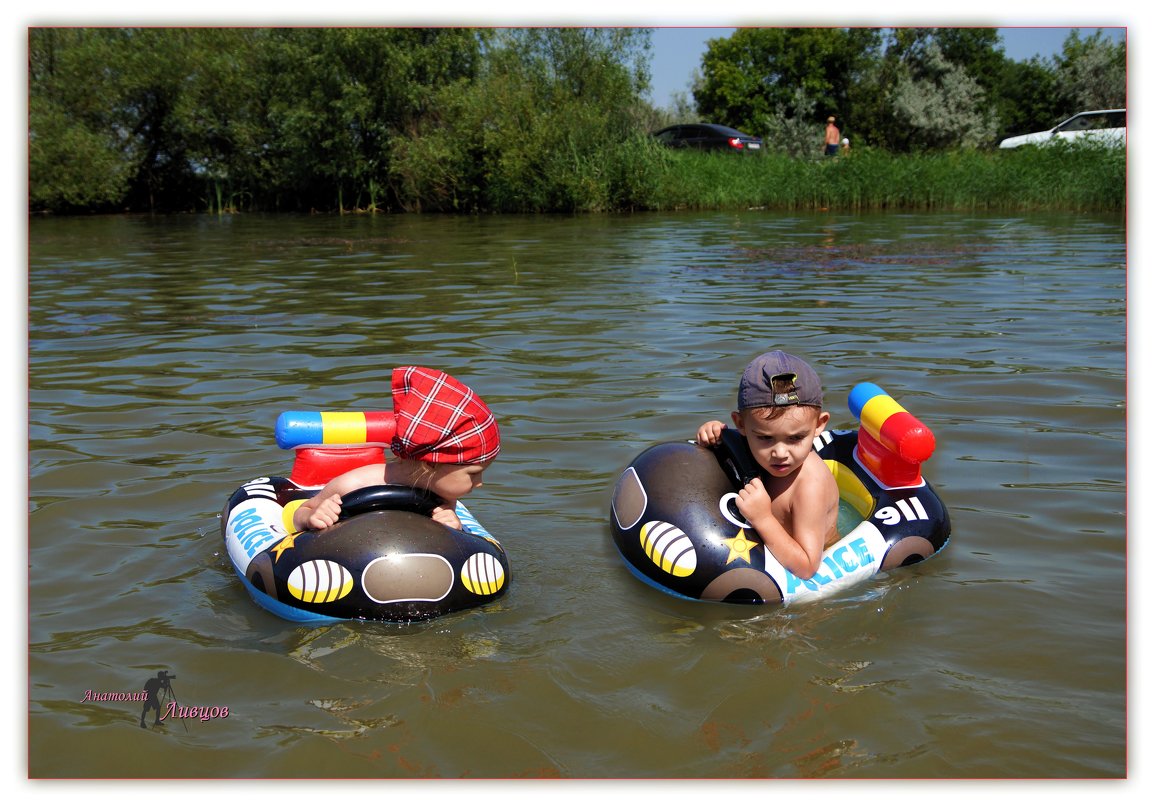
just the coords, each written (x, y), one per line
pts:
(1106, 125)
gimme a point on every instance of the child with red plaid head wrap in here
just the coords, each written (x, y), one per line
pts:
(445, 437)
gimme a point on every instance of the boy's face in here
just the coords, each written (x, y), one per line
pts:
(781, 445)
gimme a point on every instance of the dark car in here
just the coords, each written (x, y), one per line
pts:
(705, 136)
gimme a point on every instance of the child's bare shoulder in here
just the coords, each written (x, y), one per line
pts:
(365, 476)
(817, 482)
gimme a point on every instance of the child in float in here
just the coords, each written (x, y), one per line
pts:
(794, 505)
(446, 437)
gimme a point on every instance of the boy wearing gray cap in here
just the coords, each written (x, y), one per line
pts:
(794, 504)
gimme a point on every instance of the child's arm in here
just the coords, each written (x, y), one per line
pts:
(814, 511)
(322, 510)
(800, 550)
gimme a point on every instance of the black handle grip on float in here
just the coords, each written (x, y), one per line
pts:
(735, 457)
(388, 497)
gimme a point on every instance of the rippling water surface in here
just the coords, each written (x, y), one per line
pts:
(161, 352)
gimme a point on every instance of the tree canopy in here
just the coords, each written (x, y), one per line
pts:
(904, 89)
(463, 119)
(294, 119)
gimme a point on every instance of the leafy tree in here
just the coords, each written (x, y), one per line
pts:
(1027, 98)
(76, 155)
(791, 129)
(928, 90)
(220, 117)
(1035, 95)
(131, 118)
(549, 124)
(170, 119)
(977, 51)
(144, 83)
(938, 105)
(758, 74)
(1091, 73)
(341, 99)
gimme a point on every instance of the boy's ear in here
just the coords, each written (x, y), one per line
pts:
(822, 420)
(737, 418)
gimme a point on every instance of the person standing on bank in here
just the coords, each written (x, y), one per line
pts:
(831, 138)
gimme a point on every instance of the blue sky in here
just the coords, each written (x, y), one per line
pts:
(676, 51)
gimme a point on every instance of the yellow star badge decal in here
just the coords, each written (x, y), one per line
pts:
(740, 548)
(284, 545)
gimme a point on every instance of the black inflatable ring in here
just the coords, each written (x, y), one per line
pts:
(384, 497)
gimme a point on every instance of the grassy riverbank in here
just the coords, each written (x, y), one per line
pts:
(1054, 178)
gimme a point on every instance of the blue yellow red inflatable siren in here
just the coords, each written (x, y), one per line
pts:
(334, 429)
(328, 443)
(892, 443)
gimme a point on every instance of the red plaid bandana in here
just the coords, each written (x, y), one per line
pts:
(440, 420)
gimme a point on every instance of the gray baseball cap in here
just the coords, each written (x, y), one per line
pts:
(755, 388)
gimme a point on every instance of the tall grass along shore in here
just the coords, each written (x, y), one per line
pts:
(1063, 177)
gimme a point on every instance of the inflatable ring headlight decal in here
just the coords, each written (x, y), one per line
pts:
(668, 547)
(319, 581)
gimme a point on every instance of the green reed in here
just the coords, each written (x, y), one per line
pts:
(1065, 177)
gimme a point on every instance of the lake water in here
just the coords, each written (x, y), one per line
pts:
(161, 352)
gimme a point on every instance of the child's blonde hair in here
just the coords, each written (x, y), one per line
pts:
(423, 472)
